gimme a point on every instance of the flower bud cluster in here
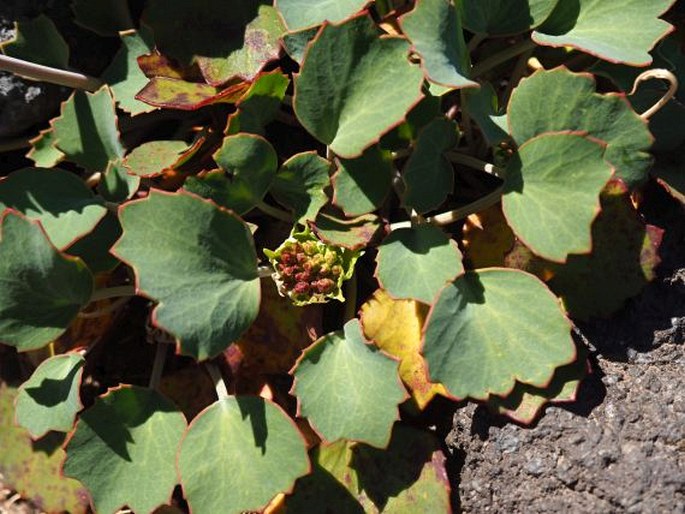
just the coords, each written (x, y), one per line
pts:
(308, 270)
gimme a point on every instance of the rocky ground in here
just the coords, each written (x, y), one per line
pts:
(621, 446)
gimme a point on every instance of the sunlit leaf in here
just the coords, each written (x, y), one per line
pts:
(154, 158)
(258, 107)
(340, 97)
(300, 14)
(251, 444)
(365, 407)
(507, 323)
(199, 262)
(131, 433)
(43, 151)
(353, 234)
(172, 93)
(49, 400)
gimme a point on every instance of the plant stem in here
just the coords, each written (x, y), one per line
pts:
(503, 56)
(10, 145)
(158, 365)
(274, 212)
(219, 384)
(474, 163)
(657, 73)
(48, 74)
(113, 292)
(475, 41)
(466, 121)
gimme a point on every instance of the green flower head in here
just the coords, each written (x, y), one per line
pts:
(308, 270)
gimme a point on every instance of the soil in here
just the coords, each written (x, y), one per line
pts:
(621, 446)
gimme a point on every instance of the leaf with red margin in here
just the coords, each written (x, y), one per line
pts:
(340, 96)
(617, 31)
(395, 327)
(623, 259)
(491, 328)
(366, 409)
(187, 96)
(434, 29)
(259, 105)
(43, 151)
(67, 210)
(43, 289)
(155, 64)
(273, 343)
(251, 444)
(409, 476)
(353, 234)
(153, 158)
(49, 399)
(132, 433)
(87, 131)
(524, 402)
(33, 468)
(198, 260)
(301, 14)
(226, 38)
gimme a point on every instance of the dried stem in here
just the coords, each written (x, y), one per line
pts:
(474, 163)
(657, 73)
(42, 73)
(503, 56)
(274, 212)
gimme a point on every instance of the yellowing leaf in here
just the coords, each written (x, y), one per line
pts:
(395, 327)
(487, 238)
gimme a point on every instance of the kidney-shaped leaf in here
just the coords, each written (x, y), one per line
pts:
(347, 389)
(434, 28)
(617, 31)
(199, 261)
(300, 14)
(501, 17)
(417, 262)
(493, 327)
(250, 445)
(355, 86)
(551, 193)
(572, 104)
(124, 449)
(49, 400)
(63, 204)
(42, 289)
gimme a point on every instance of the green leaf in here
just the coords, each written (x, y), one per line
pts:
(258, 107)
(133, 434)
(623, 259)
(173, 93)
(43, 151)
(34, 468)
(63, 204)
(228, 39)
(361, 185)
(300, 14)
(252, 162)
(124, 76)
(507, 323)
(199, 262)
(434, 29)
(49, 400)
(116, 185)
(482, 106)
(428, 174)
(295, 43)
(301, 185)
(42, 290)
(105, 17)
(251, 444)
(416, 263)
(409, 476)
(525, 402)
(353, 234)
(502, 17)
(365, 408)
(551, 193)
(154, 158)
(94, 248)
(572, 104)
(86, 131)
(340, 96)
(38, 41)
(617, 31)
